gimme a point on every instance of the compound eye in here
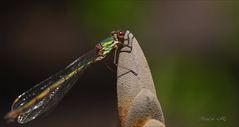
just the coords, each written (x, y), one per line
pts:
(121, 35)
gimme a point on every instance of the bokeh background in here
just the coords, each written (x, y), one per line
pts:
(192, 48)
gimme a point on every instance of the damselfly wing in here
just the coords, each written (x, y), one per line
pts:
(47, 94)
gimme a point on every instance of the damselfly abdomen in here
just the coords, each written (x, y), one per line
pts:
(48, 93)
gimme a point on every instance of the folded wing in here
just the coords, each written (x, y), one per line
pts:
(47, 94)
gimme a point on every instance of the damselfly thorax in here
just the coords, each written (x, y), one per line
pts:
(106, 46)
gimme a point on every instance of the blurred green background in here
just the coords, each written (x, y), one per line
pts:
(192, 49)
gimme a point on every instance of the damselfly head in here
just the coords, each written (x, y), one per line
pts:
(118, 35)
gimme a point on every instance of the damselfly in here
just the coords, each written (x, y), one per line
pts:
(48, 93)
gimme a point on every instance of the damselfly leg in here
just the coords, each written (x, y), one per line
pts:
(121, 37)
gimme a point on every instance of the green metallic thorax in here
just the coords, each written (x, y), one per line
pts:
(107, 44)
